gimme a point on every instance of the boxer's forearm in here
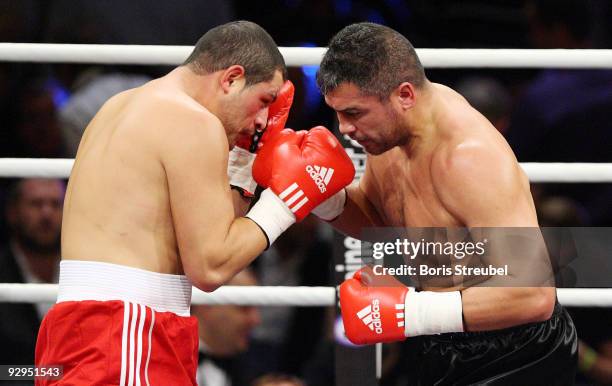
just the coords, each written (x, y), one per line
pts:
(218, 262)
(358, 213)
(490, 308)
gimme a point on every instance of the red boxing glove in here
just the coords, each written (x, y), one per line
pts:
(242, 156)
(278, 113)
(379, 308)
(303, 168)
(372, 313)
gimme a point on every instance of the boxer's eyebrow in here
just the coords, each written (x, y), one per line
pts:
(349, 110)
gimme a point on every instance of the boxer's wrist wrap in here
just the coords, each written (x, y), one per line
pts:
(239, 171)
(428, 313)
(272, 215)
(331, 208)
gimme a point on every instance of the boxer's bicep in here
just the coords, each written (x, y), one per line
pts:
(197, 184)
(483, 189)
(195, 162)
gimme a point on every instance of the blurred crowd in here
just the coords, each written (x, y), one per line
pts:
(549, 115)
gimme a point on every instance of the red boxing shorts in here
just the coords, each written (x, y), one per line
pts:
(116, 325)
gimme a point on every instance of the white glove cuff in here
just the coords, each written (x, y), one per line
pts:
(239, 169)
(332, 207)
(272, 215)
(428, 313)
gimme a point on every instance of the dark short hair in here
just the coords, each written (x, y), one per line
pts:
(373, 57)
(240, 42)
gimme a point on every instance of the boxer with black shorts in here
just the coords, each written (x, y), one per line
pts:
(434, 161)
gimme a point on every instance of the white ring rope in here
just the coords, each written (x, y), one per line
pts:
(568, 172)
(36, 167)
(300, 56)
(280, 296)
(128, 54)
(537, 172)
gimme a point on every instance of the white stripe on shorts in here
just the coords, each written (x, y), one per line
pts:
(150, 343)
(126, 318)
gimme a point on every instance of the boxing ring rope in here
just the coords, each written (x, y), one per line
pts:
(279, 296)
(301, 56)
(537, 172)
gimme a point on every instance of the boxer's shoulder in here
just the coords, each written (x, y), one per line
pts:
(176, 120)
(480, 184)
(468, 156)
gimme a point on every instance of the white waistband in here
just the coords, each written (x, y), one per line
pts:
(92, 280)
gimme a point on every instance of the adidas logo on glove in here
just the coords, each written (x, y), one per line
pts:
(370, 316)
(320, 175)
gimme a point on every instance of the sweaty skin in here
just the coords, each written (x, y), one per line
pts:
(149, 187)
(456, 170)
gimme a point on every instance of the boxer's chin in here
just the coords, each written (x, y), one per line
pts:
(372, 148)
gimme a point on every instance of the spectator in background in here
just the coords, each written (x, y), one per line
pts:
(564, 115)
(224, 334)
(34, 217)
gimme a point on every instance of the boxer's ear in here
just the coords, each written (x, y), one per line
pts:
(231, 76)
(405, 95)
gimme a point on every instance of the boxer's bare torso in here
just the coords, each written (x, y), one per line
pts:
(149, 187)
(424, 188)
(117, 206)
(413, 188)
(457, 171)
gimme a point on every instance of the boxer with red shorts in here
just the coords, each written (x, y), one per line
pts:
(146, 338)
(156, 203)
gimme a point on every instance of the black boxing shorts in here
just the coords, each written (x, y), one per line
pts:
(543, 353)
